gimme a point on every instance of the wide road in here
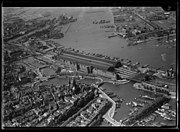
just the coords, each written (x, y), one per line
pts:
(109, 115)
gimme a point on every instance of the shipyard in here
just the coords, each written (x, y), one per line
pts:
(89, 67)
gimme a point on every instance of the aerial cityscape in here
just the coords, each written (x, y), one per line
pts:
(89, 67)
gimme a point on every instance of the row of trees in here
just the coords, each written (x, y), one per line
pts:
(147, 110)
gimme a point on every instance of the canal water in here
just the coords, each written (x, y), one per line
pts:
(128, 93)
(125, 91)
(86, 36)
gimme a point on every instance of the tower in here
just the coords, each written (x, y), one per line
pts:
(69, 82)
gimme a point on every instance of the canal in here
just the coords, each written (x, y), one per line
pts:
(125, 91)
(128, 93)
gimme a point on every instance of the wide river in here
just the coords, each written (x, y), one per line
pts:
(89, 37)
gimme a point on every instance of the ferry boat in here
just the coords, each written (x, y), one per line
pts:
(123, 81)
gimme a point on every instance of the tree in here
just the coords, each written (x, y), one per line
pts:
(118, 64)
(78, 67)
(91, 69)
(58, 70)
(147, 78)
(118, 77)
(111, 69)
(88, 70)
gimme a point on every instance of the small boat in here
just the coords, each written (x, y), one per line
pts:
(145, 66)
(110, 94)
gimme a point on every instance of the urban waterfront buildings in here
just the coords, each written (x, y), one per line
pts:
(48, 84)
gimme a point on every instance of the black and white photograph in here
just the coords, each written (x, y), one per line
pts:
(89, 67)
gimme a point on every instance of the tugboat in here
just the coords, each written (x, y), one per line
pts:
(122, 81)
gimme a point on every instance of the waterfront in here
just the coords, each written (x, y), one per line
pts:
(86, 32)
(128, 93)
(85, 36)
(125, 91)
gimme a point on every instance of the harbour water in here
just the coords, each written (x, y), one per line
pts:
(125, 91)
(128, 93)
(86, 36)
